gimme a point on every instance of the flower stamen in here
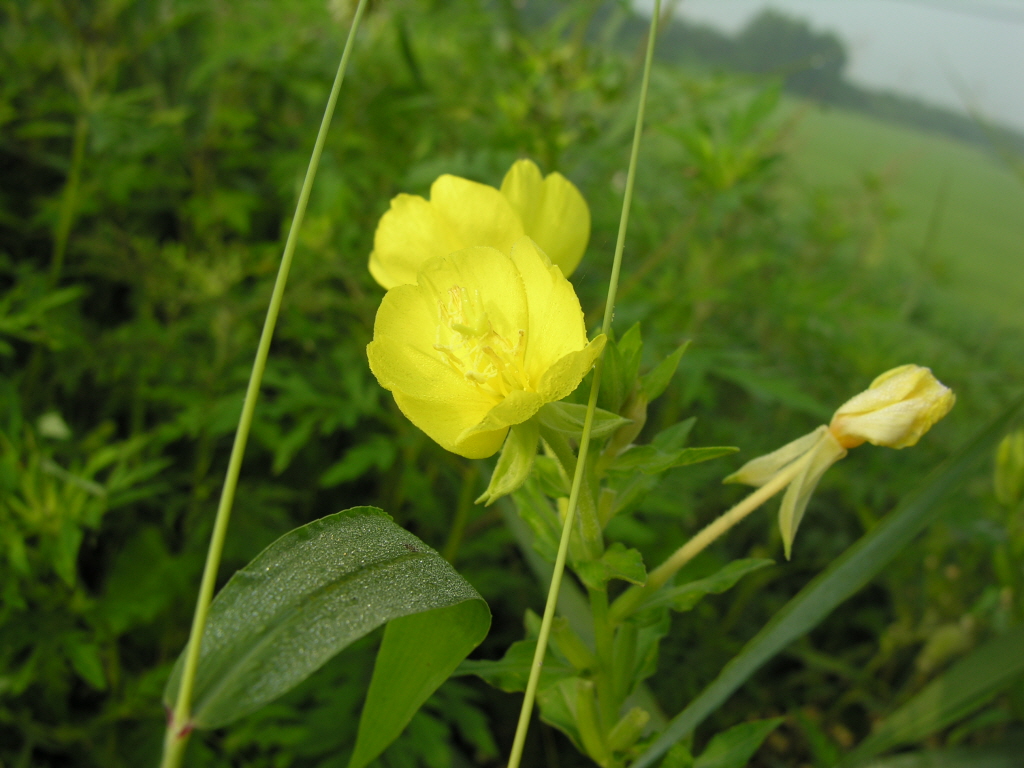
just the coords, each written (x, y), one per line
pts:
(469, 344)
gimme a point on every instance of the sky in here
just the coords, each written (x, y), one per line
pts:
(962, 54)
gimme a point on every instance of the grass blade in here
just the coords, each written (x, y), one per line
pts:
(855, 568)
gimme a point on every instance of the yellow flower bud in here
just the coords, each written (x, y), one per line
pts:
(895, 411)
(480, 343)
(462, 213)
(898, 407)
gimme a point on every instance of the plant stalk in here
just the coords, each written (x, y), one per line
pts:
(526, 712)
(179, 723)
(629, 600)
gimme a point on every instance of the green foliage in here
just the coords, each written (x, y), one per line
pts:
(734, 748)
(968, 685)
(418, 653)
(844, 577)
(151, 157)
(312, 593)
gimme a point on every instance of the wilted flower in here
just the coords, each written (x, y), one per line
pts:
(463, 213)
(480, 343)
(898, 407)
(895, 411)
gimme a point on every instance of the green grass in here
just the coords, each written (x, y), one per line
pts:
(977, 247)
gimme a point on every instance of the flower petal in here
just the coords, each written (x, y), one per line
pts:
(409, 234)
(407, 353)
(566, 374)
(895, 411)
(826, 452)
(552, 210)
(476, 213)
(402, 354)
(518, 406)
(452, 427)
(490, 276)
(556, 320)
(759, 471)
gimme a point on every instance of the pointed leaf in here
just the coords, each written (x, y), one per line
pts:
(419, 652)
(302, 600)
(657, 380)
(511, 672)
(1003, 755)
(514, 463)
(617, 562)
(568, 419)
(851, 571)
(734, 748)
(650, 460)
(685, 596)
(962, 689)
(673, 438)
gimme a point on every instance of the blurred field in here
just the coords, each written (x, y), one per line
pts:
(957, 209)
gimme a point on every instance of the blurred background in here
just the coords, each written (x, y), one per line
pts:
(826, 190)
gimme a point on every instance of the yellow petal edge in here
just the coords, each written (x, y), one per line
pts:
(480, 343)
(462, 213)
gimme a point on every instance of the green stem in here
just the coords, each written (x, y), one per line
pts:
(525, 713)
(591, 532)
(607, 703)
(466, 495)
(69, 202)
(179, 725)
(628, 601)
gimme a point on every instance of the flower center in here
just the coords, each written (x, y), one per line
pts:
(468, 342)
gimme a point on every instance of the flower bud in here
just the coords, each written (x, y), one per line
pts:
(898, 407)
(1009, 477)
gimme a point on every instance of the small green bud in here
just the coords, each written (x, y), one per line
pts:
(628, 729)
(1009, 474)
(572, 646)
(587, 723)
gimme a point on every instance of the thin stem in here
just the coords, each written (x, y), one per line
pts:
(590, 524)
(525, 713)
(634, 596)
(451, 547)
(179, 725)
(608, 706)
(69, 202)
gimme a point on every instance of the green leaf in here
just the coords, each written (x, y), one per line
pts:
(673, 438)
(511, 672)
(962, 689)
(376, 453)
(1003, 755)
(851, 571)
(514, 463)
(84, 656)
(630, 346)
(617, 562)
(535, 510)
(685, 596)
(418, 653)
(558, 706)
(568, 419)
(621, 366)
(651, 460)
(778, 389)
(302, 600)
(734, 748)
(657, 380)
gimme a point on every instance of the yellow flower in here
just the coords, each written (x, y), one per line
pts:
(480, 343)
(898, 407)
(462, 213)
